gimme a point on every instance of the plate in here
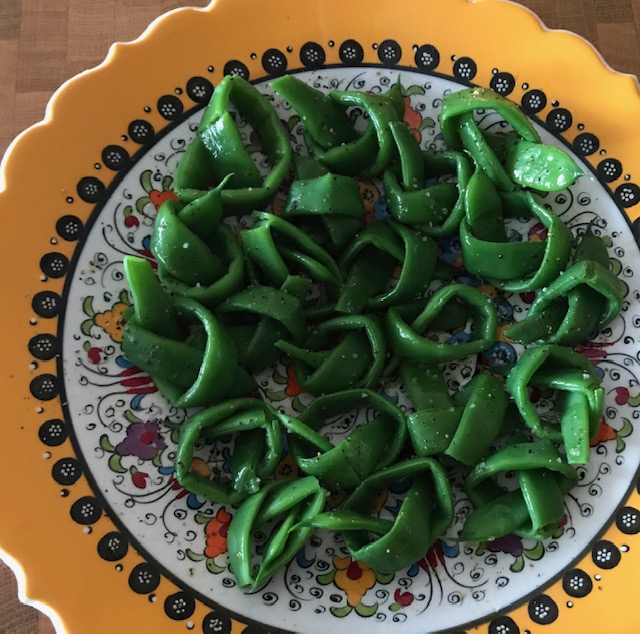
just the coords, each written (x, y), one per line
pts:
(105, 535)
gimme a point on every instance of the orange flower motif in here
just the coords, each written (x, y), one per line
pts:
(158, 198)
(111, 321)
(413, 119)
(604, 433)
(277, 205)
(369, 194)
(216, 531)
(354, 577)
(287, 468)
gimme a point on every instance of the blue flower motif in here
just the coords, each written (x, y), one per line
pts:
(504, 310)
(380, 208)
(500, 354)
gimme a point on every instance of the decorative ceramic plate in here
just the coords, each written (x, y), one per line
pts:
(107, 539)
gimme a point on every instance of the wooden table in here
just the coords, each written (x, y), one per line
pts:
(45, 42)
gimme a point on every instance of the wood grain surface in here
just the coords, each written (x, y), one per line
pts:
(45, 42)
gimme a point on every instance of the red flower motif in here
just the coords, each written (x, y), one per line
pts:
(293, 388)
(147, 255)
(136, 381)
(528, 297)
(354, 572)
(403, 598)
(176, 486)
(595, 352)
(622, 395)
(538, 233)
(139, 479)
(94, 355)
(433, 557)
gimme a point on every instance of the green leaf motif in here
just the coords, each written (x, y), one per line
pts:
(615, 266)
(482, 549)
(341, 612)
(426, 123)
(297, 405)
(87, 306)
(131, 417)
(413, 90)
(115, 463)
(105, 444)
(202, 519)
(157, 459)
(366, 610)
(193, 556)
(627, 428)
(145, 181)
(86, 326)
(327, 578)
(213, 567)
(276, 396)
(141, 203)
(518, 564)
(167, 183)
(293, 121)
(625, 432)
(384, 578)
(535, 553)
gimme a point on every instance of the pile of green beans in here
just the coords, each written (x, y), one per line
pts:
(227, 302)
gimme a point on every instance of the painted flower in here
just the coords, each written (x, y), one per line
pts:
(287, 468)
(413, 119)
(139, 478)
(605, 433)
(110, 321)
(158, 198)
(370, 195)
(403, 599)
(499, 354)
(216, 533)
(130, 221)
(293, 387)
(528, 297)
(433, 558)
(538, 232)
(145, 252)
(143, 440)
(622, 395)
(510, 544)
(159, 189)
(594, 351)
(94, 354)
(354, 577)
